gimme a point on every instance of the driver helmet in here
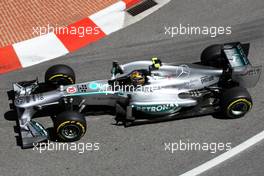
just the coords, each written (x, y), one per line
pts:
(137, 78)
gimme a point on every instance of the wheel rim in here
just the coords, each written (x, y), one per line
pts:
(70, 131)
(239, 108)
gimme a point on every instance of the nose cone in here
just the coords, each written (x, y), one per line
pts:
(38, 99)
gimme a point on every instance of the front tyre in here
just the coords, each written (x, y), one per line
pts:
(235, 102)
(70, 126)
(60, 75)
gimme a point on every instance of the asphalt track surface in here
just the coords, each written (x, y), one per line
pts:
(140, 150)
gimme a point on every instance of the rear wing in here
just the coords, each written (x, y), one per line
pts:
(242, 70)
(237, 54)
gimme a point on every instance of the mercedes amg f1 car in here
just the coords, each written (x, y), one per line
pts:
(137, 92)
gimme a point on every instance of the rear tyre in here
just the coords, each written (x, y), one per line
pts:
(212, 56)
(60, 75)
(70, 126)
(235, 102)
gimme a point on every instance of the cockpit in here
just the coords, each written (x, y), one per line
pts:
(135, 73)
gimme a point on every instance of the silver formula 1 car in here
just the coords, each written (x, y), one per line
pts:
(138, 92)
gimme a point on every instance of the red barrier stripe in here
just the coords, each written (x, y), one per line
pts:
(130, 3)
(8, 59)
(79, 34)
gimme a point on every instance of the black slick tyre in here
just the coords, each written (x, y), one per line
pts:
(235, 102)
(69, 126)
(212, 56)
(60, 75)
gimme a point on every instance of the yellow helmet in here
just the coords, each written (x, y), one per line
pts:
(137, 78)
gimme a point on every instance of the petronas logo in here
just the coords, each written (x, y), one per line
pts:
(157, 108)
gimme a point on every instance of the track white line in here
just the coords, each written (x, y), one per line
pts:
(225, 156)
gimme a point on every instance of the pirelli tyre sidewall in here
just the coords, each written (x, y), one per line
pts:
(235, 102)
(70, 126)
(60, 74)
